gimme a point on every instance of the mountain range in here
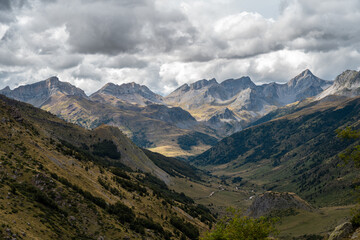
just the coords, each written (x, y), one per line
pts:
(73, 182)
(186, 122)
(146, 125)
(242, 95)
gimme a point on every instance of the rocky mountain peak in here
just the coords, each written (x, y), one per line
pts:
(130, 92)
(225, 113)
(346, 84)
(124, 88)
(305, 77)
(53, 85)
(243, 81)
(302, 86)
(235, 85)
(183, 88)
(53, 80)
(133, 85)
(306, 72)
(5, 89)
(348, 78)
(109, 85)
(203, 83)
(38, 93)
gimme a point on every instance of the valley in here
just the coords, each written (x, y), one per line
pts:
(179, 168)
(179, 120)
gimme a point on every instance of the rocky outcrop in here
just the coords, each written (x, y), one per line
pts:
(342, 231)
(272, 201)
(356, 234)
(225, 121)
(38, 93)
(302, 86)
(234, 86)
(346, 84)
(131, 93)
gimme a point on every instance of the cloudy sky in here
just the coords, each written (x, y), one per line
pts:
(166, 43)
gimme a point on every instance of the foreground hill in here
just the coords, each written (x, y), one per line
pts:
(58, 180)
(296, 152)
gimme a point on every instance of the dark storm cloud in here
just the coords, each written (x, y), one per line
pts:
(5, 12)
(8, 59)
(125, 27)
(10, 5)
(8, 9)
(87, 71)
(64, 62)
(5, 5)
(124, 61)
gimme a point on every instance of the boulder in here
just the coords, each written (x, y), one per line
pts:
(341, 231)
(269, 201)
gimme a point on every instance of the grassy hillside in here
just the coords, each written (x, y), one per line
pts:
(296, 107)
(174, 167)
(56, 181)
(136, 122)
(296, 152)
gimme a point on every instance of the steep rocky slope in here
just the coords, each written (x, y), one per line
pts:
(300, 87)
(172, 115)
(37, 94)
(148, 132)
(346, 84)
(130, 92)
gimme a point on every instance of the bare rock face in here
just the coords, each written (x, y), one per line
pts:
(272, 201)
(341, 231)
(174, 115)
(130, 92)
(303, 86)
(38, 93)
(346, 84)
(225, 120)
